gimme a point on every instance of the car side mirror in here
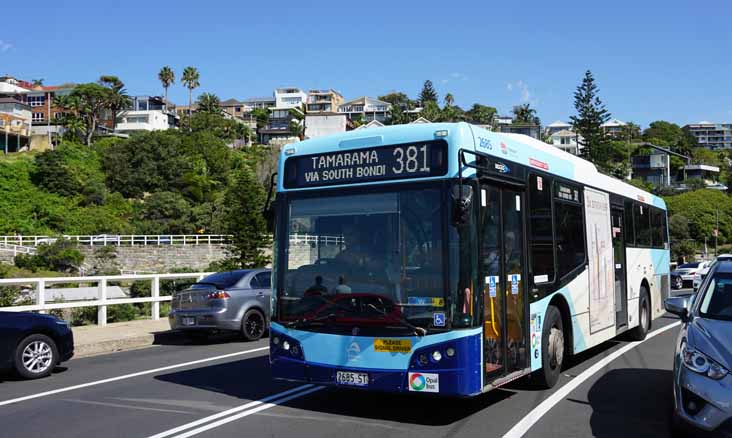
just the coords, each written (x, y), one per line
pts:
(462, 196)
(678, 306)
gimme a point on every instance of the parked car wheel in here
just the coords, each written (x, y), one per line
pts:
(552, 348)
(36, 356)
(644, 317)
(253, 325)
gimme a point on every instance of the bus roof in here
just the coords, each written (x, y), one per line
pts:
(516, 148)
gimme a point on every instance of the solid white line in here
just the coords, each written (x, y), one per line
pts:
(535, 415)
(271, 398)
(129, 376)
(259, 408)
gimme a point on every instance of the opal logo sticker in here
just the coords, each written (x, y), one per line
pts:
(424, 382)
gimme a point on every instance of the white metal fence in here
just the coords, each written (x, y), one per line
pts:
(102, 301)
(16, 249)
(121, 239)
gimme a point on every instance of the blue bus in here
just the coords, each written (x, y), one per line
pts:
(448, 259)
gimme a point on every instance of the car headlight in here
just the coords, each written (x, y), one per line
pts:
(701, 363)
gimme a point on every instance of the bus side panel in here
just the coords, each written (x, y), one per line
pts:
(651, 265)
(576, 294)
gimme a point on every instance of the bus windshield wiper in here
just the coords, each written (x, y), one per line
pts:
(419, 331)
(300, 322)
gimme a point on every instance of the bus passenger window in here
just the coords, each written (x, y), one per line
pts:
(540, 229)
(629, 229)
(570, 236)
(642, 220)
(657, 227)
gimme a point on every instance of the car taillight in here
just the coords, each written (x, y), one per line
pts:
(218, 295)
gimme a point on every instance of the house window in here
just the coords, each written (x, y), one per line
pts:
(36, 100)
(38, 117)
(59, 114)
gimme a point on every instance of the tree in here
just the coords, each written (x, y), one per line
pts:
(244, 201)
(37, 82)
(524, 113)
(167, 78)
(145, 163)
(397, 98)
(165, 213)
(191, 80)
(297, 123)
(481, 114)
(208, 103)
(428, 93)
(86, 102)
(671, 135)
(431, 111)
(118, 99)
(60, 256)
(591, 114)
(449, 100)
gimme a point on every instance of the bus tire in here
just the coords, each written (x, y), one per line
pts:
(644, 317)
(552, 348)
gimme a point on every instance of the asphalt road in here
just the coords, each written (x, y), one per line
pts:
(224, 389)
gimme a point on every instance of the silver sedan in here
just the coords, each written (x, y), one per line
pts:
(225, 301)
(703, 357)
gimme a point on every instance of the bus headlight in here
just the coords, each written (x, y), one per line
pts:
(276, 340)
(423, 360)
(436, 355)
(286, 345)
(450, 352)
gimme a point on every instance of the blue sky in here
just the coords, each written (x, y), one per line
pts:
(652, 60)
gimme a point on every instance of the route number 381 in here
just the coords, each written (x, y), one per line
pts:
(409, 160)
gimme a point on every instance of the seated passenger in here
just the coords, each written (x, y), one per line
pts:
(342, 287)
(317, 288)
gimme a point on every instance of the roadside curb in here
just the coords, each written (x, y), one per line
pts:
(129, 335)
(123, 344)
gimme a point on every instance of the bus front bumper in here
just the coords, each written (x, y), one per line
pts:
(458, 375)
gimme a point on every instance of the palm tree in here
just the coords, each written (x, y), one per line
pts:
(118, 98)
(167, 78)
(190, 80)
(524, 113)
(37, 82)
(449, 100)
(208, 103)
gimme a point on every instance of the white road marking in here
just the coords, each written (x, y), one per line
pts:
(120, 405)
(236, 413)
(129, 376)
(523, 426)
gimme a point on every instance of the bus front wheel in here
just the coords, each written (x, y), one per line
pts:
(552, 348)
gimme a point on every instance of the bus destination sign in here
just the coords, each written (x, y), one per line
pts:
(412, 160)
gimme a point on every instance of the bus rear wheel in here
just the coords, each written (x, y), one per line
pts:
(552, 348)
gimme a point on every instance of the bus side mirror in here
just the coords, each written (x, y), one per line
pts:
(462, 196)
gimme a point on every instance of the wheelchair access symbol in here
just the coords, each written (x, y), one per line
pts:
(438, 319)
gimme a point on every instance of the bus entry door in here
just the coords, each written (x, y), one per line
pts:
(501, 261)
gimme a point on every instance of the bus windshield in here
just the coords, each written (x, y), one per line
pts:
(367, 259)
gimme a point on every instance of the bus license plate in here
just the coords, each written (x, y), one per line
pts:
(352, 379)
(188, 321)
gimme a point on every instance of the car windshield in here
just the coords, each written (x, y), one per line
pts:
(221, 280)
(717, 300)
(374, 258)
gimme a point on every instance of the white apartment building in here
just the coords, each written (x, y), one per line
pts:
(557, 126)
(289, 97)
(614, 128)
(566, 140)
(147, 113)
(712, 135)
(366, 107)
(322, 124)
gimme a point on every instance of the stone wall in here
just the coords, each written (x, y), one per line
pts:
(153, 258)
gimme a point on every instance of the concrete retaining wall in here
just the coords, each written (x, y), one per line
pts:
(157, 258)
